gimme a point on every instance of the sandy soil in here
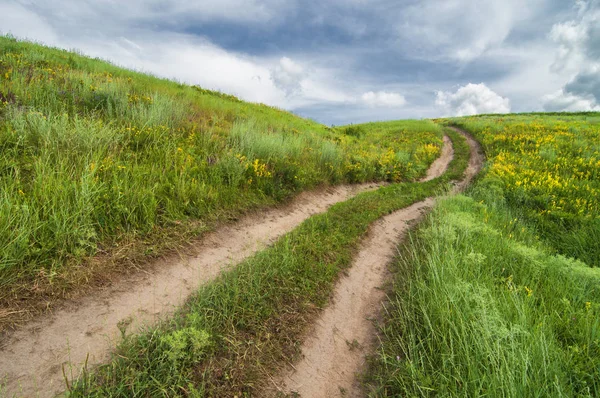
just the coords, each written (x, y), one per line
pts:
(475, 162)
(33, 357)
(335, 350)
(439, 166)
(345, 333)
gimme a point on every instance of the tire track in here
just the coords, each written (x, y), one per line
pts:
(33, 357)
(344, 334)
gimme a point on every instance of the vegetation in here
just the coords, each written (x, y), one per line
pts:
(250, 319)
(97, 159)
(483, 305)
(548, 167)
(481, 308)
(497, 294)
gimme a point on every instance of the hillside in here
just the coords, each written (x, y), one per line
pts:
(162, 239)
(498, 294)
(547, 167)
(101, 167)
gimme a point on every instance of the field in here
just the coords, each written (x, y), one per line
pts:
(97, 160)
(548, 168)
(503, 297)
(107, 175)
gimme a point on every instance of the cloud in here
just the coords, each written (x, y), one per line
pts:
(340, 59)
(582, 93)
(569, 36)
(112, 14)
(20, 22)
(586, 83)
(578, 39)
(562, 101)
(578, 54)
(472, 99)
(288, 76)
(383, 99)
(460, 30)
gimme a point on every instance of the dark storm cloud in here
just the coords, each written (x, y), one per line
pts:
(336, 61)
(585, 84)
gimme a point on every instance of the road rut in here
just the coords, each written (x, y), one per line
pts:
(33, 357)
(335, 351)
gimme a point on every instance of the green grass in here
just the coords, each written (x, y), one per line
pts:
(95, 159)
(251, 319)
(548, 167)
(480, 308)
(407, 156)
(482, 303)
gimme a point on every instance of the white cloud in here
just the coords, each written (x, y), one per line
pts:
(20, 22)
(578, 54)
(564, 101)
(288, 76)
(570, 37)
(472, 99)
(383, 99)
(459, 30)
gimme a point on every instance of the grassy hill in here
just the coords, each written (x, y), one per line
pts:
(498, 294)
(547, 167)
(106, 163)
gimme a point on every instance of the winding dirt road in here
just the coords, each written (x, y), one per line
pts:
(335, 351)
(32, 358)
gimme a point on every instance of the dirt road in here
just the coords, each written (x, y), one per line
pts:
(32, 358)
(345, 333)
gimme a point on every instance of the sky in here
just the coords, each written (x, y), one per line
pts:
(343, 61)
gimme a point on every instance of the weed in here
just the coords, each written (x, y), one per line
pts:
(353, 345)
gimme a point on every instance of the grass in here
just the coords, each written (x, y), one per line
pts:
(497, 294)
(483, 303)
(548, 167)
(481, 308)
(101, 167)
(252, 318)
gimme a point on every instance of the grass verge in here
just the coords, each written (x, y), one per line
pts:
(245, 324)
(481, 307)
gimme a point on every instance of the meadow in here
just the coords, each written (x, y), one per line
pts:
(105, 164)
(250, 322)
(548, 167)
(498, 292)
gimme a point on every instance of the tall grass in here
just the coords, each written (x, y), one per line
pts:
(548, 166)
(250, 320)
(92, 156)
(482, 304)
(480, 308)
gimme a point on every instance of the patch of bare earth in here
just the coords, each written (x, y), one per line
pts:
(33, 357)
(335, 351)
(439, 166)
